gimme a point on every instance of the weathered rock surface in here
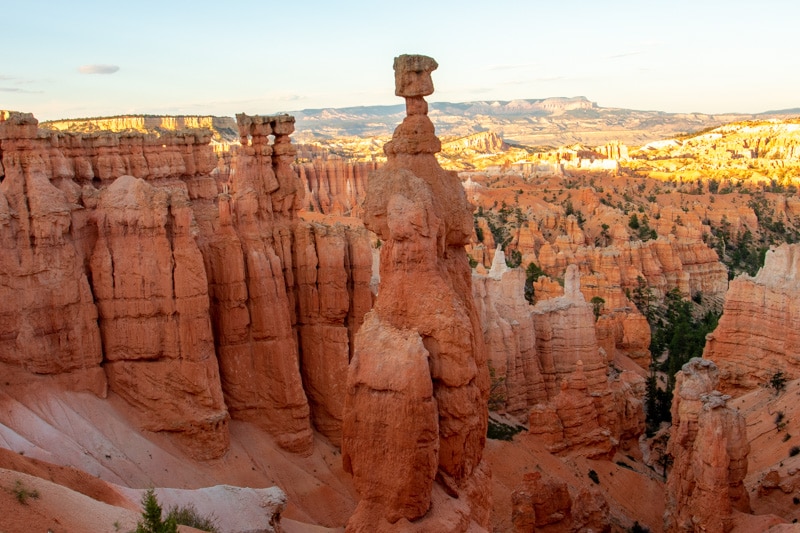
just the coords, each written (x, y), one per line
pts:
(335, 186)
(152, 294)
(48, 319)
(508, 329)
(333, 270)
(758, 334)
(540, 501)
(544, 503)
(438, 387)
(589, 408)
(129, 263)
(709, 447)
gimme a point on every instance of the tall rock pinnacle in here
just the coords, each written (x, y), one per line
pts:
(415, 412)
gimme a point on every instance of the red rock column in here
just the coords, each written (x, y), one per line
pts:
(415, 413)
(250, 268)
(709, 446)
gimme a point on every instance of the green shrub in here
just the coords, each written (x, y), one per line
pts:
(499, 431)
(778, 381)
(189, 516)
(23, 493)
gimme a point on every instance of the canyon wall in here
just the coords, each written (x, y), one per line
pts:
(758, 335)
(132, 265)
(549, 370)
(334, 186)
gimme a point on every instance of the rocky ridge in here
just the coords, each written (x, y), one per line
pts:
(709, 447)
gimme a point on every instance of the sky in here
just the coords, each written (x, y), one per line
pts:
(71, 59)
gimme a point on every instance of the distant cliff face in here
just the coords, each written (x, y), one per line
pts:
(221, 128)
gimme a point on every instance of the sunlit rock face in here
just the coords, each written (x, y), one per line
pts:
(415, 413)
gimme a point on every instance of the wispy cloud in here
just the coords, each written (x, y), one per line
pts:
(292, 97)
(624, 54)
(17, 90)
(98, 69)
(512, 66)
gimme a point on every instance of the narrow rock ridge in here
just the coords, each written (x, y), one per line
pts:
(415, 413)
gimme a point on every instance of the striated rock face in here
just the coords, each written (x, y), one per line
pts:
(588, 407)
(758, 334)
(152, 294)
(508, 329)
(335, 186)
(223, 127)
(709, 447)
(415, 418)
(250, 269)
(333, 270)
(128, 264)
(48, 319)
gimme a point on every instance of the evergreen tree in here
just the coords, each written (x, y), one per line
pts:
(151, 516)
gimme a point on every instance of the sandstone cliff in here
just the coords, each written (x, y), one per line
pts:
(415, 413)
(133, 264)
(508, 329)
(335, 186)
(757, 335)
(709, 446)
(591, 407)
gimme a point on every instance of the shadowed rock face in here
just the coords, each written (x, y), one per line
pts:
(128, 264)
(709, 446)
(418, 382)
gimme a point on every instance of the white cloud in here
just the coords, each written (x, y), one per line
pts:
(98, 69)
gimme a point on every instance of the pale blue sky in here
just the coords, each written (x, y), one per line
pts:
(202, 57)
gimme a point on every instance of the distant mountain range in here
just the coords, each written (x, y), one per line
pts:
(548, 122)
(537, 122)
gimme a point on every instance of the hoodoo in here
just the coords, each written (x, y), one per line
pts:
(415, 411)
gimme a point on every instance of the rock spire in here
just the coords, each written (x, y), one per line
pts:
(415, 411)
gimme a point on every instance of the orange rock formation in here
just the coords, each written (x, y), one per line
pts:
(129, 264)
(757, 335)
(590, 407)
(415, 413)
(709, 446)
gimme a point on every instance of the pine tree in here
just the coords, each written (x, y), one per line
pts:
(151, 516)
